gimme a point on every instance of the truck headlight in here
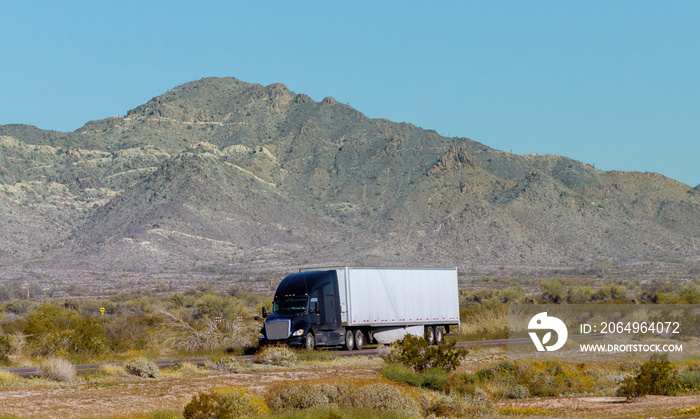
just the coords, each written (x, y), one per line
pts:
(261, 335)
(299, 332)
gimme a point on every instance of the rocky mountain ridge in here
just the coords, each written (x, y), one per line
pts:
(229, 177)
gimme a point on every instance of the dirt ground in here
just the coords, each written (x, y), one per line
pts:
(93, 397)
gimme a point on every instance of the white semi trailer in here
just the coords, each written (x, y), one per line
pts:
(352, 306)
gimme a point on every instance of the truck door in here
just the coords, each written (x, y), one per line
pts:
(329, 310)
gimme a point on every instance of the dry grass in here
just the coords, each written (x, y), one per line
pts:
(485, 323)
(57, 369)
(8, 379)
(112, 370)
(188, 368)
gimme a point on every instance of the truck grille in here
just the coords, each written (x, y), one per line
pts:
(277, 329)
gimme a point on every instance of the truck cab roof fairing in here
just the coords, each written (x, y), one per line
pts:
(302, 283)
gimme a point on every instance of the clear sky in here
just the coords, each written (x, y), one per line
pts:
(612, 83)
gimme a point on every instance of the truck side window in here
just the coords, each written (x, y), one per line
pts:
(314, 308)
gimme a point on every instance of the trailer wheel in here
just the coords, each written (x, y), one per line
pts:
(439, 334)
(359, 339)
(310, 341)
(349, 340)
(429, 335)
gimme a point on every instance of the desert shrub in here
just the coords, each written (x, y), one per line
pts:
(384, 397)
(227, 364)
(461, 384)
(211, 304)
(205, 334)
(293, 396)
(553, 378)
(518, 391)
(5, 349)
(553, 290)
(692, 365)
(19, 307)
(52, 329)
(129, 332)
(142, 367)
(57, 369)
(414, 352)
(484, 321)
(630, 366)
(656, 376)
(110, 370)
(188, 368)
(441, 405)
(693, 412)
(225, 403)
(276, 355)
(524, 379)
(433, 378)
(690, 380)
(8, 379)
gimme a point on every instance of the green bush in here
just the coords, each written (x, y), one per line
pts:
(690, 380)
(525, 379)
(433, 378)
(51, 329)
(656, 376)
(225, 403)
(414, 352)
(553, 378)
(276, 355)
(142, 367)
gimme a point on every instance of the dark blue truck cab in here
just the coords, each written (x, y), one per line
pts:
(305, 312)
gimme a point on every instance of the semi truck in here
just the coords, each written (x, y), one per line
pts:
(355, 306)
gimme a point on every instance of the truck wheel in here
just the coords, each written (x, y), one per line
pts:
(310, 341)
(439, 334)
(349, 340)
(359, 339)
(429, 335)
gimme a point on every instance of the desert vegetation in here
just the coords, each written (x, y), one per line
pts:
(134, 324)
(410, 379)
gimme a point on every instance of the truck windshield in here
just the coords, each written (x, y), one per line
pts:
(290, 305)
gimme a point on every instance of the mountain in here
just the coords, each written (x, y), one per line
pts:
(236, 180)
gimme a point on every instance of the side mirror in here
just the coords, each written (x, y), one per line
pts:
(264, 312)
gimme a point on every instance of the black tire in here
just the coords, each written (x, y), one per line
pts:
(430, 334)
(359, 339)
(349, 340)
(439, 334)
(310, 341)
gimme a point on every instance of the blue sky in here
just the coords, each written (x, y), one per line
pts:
(614, 84)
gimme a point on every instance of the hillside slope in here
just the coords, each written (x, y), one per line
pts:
(226, 174)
